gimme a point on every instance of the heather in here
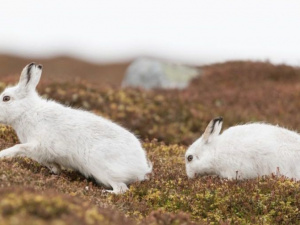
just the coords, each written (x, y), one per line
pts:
(166, 121)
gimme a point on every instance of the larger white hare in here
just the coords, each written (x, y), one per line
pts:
(55, 136)
(244, 151)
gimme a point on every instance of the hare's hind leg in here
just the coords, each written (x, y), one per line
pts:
(105, 178)
(53, 167)
(118, 188)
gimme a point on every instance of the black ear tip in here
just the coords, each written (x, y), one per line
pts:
(218, 119)
(31, 64)
(29, 68)
(40, 66)
(215, 121)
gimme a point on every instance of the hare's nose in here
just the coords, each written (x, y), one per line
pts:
(40, 66)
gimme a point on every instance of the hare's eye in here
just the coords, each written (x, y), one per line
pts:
(6, 98)
(190, 158)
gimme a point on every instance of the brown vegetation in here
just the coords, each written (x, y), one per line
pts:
(66, 69)
(239, 91)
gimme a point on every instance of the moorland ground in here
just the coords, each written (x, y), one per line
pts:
(166, 121)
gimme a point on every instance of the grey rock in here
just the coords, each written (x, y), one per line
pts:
(150, 73)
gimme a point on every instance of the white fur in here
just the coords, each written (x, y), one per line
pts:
(245, 151)
(55, 136)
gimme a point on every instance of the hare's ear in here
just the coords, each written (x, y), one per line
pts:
(213, 129)
(30, 77)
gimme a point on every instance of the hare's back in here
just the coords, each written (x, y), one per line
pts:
(80, 124)
(262, 137)
(261, 130)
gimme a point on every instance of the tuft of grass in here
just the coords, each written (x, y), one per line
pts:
(7, 136)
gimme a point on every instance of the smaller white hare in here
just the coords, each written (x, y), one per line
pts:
(244, 151)
(55, 136)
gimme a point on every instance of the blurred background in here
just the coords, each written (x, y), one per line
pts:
(162, 69)
(98, 40)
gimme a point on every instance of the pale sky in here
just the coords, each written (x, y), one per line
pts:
(189, 31)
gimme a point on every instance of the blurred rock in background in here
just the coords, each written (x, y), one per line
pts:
(150, 73)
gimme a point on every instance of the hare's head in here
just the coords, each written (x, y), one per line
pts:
(16, 100)
(198, 157)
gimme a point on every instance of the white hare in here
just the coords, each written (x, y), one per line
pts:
(244, 151)
(55, 136)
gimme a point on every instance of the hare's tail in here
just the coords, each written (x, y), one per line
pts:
(149, 171)
(150, 165)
